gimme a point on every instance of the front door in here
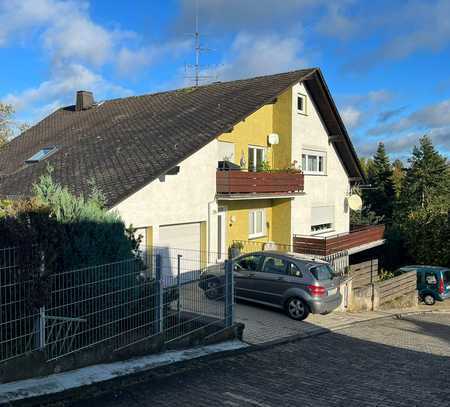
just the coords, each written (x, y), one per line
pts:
(221, 234)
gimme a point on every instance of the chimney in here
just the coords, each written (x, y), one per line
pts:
(85, 100)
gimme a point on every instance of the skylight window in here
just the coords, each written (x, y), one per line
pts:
(41, 155)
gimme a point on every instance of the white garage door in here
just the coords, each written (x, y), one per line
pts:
(183, 239)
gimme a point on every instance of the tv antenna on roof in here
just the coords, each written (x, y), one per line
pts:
(197, 76)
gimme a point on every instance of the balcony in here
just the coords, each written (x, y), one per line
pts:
(359, 237)
(234, 183)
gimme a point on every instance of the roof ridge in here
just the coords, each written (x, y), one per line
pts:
(195, 88)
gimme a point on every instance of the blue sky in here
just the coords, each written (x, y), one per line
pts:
(387, 63)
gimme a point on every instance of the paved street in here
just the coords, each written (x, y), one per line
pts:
(264, 324)
(387, 362)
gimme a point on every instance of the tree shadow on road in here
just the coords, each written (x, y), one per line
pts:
(371, 364)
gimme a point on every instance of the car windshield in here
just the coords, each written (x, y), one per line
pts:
(322, 272)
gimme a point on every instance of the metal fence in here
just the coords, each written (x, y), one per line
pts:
(339, 261)
(121, 303)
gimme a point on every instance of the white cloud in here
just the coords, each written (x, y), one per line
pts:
(434, 116)
(357, 110)
(253, 55)
(402, 145)
(60, 90)
(392, 32)
(237, 15)
(131, 61)
(351, 117)
(77, 49)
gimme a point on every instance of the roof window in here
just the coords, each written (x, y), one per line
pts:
(41, 155)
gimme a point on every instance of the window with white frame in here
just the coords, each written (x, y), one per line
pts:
(256, 157)
(314, 162)
(257, 223)
(301, 103)
(322, 219)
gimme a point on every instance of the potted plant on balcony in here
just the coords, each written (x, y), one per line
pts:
(235, 249)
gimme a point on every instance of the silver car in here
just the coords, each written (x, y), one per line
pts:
(284, 280)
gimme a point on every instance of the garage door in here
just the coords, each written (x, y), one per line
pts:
(183, 239)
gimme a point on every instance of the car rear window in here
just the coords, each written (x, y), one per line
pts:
(447, 276)
(322, 272)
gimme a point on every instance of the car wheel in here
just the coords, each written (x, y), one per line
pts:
(297, 309)
(429, 299)
(213, 289)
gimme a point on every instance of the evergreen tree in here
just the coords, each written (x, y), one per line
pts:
(398, 176)
(423, 212)
(381, 194)
(427, 178)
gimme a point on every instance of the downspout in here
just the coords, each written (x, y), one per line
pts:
(209, 230)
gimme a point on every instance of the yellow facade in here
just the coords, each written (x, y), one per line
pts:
(253, 131)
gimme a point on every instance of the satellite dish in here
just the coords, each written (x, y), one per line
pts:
(355, 202)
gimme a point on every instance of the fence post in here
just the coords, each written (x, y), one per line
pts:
(40, 329)
(229, 293)
(160, 294)
(178, 282)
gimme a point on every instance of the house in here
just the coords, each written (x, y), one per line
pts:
(159, 161)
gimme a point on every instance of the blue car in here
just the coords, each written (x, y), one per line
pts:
(433, 282)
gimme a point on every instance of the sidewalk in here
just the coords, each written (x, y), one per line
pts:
(265, 326)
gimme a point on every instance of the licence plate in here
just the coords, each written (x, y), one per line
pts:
(332, 291)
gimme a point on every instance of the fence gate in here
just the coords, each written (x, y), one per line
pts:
(339, 261)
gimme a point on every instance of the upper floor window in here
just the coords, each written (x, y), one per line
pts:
(41, 155)
(313, 162)
(256, 158)
(301, 103)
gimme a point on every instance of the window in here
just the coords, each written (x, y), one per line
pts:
(321, 227)
(256, 157)
(430, 278)
(322, 272)
(41, 155)
(322, 219)
(293, 270)
(313, 162)
(447, 277)
(274, 265)
(301, 103)
(248, 263)
(257, 223)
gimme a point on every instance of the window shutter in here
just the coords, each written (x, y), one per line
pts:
(321, 215)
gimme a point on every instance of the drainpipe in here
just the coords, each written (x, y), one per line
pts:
(208, 231)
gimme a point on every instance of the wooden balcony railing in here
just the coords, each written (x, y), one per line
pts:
(323, 246)
(243, 182)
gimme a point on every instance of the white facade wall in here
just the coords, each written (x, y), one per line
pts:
(309, 132)
(188, 196)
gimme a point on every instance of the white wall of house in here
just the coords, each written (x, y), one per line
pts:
(329, 190)
(188, 196)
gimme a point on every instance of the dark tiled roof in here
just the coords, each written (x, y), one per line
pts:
(124, 144)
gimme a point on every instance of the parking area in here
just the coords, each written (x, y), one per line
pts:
(264, 324)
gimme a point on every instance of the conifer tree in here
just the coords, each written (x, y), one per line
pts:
(381, 194)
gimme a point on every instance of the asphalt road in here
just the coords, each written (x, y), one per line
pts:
(389, 362)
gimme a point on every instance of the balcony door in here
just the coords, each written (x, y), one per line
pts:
(256, 157)
(221, 234)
